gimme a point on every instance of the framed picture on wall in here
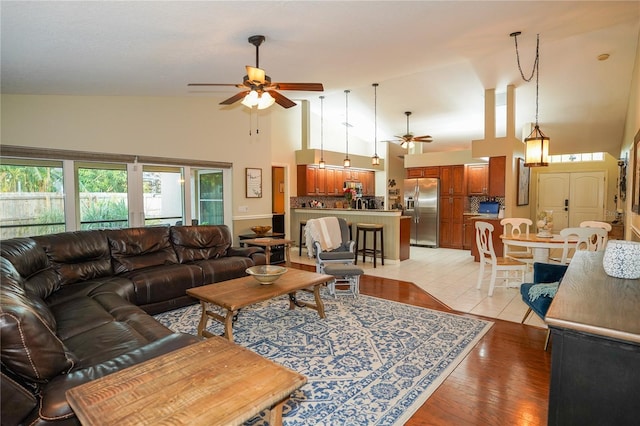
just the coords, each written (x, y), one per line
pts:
(524, 174)
(254, 183)
(635, 193)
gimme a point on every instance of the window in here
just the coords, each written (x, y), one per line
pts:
(210, 195)
(102, 195)
(32, 198)
(574, 158)
(162, 189)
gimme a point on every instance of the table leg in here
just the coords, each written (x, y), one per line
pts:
(275, 413)
(267, 253)
(203, 319)
(228, 325)
(540, 254)
(287, 254)
(319, 304)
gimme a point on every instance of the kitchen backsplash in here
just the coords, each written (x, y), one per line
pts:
(474, 202)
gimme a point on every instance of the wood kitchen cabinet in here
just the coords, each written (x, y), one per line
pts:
(335, 181)
(452, 180)
(469, 233)
(420, 172)
(311, 180)
(368, 183)
(451, 221)
(497, 170)
(477, 179)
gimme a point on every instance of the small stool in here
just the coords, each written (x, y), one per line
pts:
(375, 229)
(303, 223)
(344, 273)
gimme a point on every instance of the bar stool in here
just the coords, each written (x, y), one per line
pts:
(303, 223)
(375, 229)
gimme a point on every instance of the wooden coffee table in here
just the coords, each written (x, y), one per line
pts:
(213, 382)
(232, 295)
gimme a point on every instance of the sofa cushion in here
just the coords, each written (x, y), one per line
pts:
(31, 263)
(193, 243)
(223, 269)
(138, 248)
(78, 256)
(28, 342)
(165, 282)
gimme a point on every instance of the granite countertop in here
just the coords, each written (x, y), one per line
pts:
(484, 215)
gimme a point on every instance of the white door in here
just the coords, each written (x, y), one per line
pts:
(573, 197)
(553, 193)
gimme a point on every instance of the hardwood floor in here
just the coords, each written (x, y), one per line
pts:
(503, 381)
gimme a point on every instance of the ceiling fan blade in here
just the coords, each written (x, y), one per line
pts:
(425, 138)
(256, 75)
(281, 100)
(305, 87)
(235, 98)
(214, 84)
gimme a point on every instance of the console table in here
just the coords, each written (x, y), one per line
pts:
(276, 253)
(595, 361)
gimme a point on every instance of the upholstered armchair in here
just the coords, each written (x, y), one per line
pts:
(539, 294)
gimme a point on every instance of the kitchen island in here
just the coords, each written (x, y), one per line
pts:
(396, 236)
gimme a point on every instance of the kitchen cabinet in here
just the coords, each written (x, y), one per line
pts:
(477, 179)
(452, 180)
(451, 221)
(497, 169)
(469, 233)
(405, 237)
(419, 172)
(311, 180)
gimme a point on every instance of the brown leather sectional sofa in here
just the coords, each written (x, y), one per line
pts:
(77, 306)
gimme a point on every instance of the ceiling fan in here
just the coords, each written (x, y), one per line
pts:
(408, 137)
(258, 90)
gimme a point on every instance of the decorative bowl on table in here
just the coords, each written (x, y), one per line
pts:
(260, 230)
(266, 274)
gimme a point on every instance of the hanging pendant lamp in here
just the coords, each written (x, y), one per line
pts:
(321, 163)
(537, 143)
(347, 161)
(375, 160)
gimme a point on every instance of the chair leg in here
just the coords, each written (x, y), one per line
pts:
(492, 283)
(480, 274)
(526, 315)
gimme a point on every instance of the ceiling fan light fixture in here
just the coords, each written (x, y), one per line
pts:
(404, 144)
(265, 100)
(251, 99)
(536, 149)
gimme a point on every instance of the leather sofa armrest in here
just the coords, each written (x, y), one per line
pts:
(54, 404)
(17, 402)
(244, 251)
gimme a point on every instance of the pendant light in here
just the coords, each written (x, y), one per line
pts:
(321, 163)
(347, 162)
(537, 143)
(375, 160)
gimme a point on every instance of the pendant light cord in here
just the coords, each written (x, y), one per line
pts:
(375, 118)
(346, 125)
(536, 66)
(322, 128)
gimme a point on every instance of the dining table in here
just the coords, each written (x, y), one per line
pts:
(540, 246)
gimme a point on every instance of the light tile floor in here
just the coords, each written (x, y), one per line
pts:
(451, 277)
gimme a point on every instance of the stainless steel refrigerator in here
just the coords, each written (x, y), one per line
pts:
(421, 203)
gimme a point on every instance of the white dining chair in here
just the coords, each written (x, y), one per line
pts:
(583, 238)
(515, 227)
(504, 266)
(597, 224)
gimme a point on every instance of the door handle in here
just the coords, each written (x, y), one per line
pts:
(566, 205)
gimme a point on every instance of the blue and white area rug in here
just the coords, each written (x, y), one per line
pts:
(370, 362)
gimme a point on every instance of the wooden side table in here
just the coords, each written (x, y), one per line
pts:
(214, 382)
(268, 243)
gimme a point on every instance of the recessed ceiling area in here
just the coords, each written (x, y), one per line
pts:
(434, 58)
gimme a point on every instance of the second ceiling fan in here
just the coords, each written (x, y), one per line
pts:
(403, 140)
(258, 90)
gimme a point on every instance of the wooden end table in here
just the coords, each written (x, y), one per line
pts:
(267, 243)
(232, 295)
(213, 382)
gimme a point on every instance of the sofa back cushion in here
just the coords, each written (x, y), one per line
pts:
(137, 248)
(192, 243)
(31, 264)
(78, 256)
(29, 345)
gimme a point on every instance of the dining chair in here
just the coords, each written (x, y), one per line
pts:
(504, 266)
(597, 224)
(590, 239)
(515, 227)
(539, 294)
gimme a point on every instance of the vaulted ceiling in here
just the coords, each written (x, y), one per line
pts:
(434, 58)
